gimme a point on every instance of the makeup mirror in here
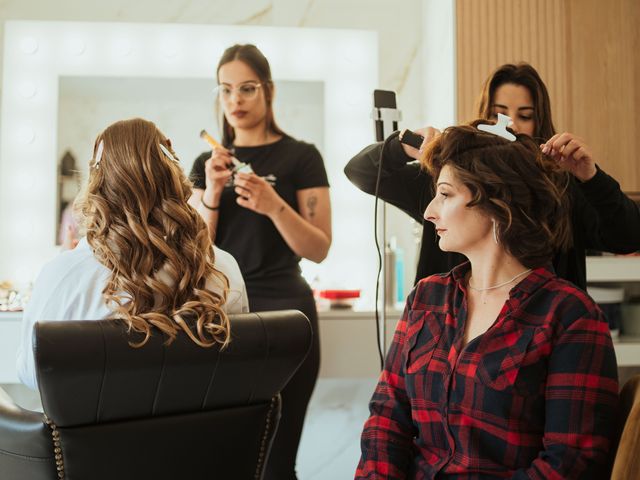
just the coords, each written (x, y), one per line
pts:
(49, 67)
(180, 107)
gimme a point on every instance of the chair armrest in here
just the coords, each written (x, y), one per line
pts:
(23, 433)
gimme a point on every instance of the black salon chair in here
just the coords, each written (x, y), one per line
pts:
(175, 411)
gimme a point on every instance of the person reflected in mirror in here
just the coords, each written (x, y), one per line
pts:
(603, 217)
(68, 236)
(498, 368)
(147, 258)
(268, 215)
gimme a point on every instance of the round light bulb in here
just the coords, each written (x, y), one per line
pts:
(78, 47)
(29, 45)
(28, 90)
(26, 135)
(124, 48)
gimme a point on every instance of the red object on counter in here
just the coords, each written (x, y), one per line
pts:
(339, 294)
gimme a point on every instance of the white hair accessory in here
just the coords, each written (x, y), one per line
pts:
(500, 128)
(167, 152)
(96, 164)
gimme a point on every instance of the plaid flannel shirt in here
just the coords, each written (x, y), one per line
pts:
(534, 397)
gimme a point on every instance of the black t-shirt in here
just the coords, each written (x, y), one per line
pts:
(268, 265)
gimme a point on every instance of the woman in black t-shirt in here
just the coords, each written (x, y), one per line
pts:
(268, 217)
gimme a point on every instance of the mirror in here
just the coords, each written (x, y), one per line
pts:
(324, 78)
(179, 107)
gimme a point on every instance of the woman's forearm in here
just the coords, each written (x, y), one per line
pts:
(305, 239)
(207, 205)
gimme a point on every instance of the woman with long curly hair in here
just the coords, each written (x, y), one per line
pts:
(147, 258)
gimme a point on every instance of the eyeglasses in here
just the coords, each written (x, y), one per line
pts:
(248, 91)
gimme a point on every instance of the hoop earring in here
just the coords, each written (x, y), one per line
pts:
(495, 231)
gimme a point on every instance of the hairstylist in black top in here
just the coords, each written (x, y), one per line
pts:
(267, 219)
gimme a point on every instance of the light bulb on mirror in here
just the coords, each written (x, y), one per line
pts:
(77, 47)
(27, 90)
(26, 135)
(29, 45)
(123, 48)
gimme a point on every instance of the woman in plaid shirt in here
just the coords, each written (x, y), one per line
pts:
(498, 369)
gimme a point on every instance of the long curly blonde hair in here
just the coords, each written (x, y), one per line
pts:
(157, 246)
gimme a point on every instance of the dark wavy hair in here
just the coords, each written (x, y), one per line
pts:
(526, 76)
(512, 182)
(256, 61)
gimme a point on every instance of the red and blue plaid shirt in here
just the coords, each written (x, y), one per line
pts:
(534, 397)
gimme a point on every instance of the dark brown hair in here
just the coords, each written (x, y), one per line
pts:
(513, 183)
(254, 59)
(526, 76)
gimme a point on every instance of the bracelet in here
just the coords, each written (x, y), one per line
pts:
(207, 206)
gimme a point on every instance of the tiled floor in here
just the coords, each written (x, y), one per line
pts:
(330, 445)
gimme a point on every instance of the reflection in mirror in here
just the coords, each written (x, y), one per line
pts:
(181, 108)
(344, 63)
(68, 188)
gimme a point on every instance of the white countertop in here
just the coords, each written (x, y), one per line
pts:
(10, 316)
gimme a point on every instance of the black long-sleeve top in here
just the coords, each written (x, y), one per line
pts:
(603, 217)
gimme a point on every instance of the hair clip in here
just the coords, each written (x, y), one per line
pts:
(96, 164)
(167, 152)
(500, 128)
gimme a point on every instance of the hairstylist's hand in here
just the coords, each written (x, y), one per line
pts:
(216, 169)
(429, 133)
(572, 154)
(256, 194)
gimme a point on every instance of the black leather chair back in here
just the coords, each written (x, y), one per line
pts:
(166, 411)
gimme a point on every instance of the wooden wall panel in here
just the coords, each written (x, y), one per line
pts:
(586, 51)
(493, 32)
(605, 83)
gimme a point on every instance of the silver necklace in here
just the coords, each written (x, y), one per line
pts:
(499, 285)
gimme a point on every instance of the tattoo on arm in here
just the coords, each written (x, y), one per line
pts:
(312, 203)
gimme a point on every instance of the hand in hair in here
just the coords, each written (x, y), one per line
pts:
(572, 154)
(256, 194)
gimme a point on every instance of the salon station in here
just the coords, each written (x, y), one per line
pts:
(69, 69)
